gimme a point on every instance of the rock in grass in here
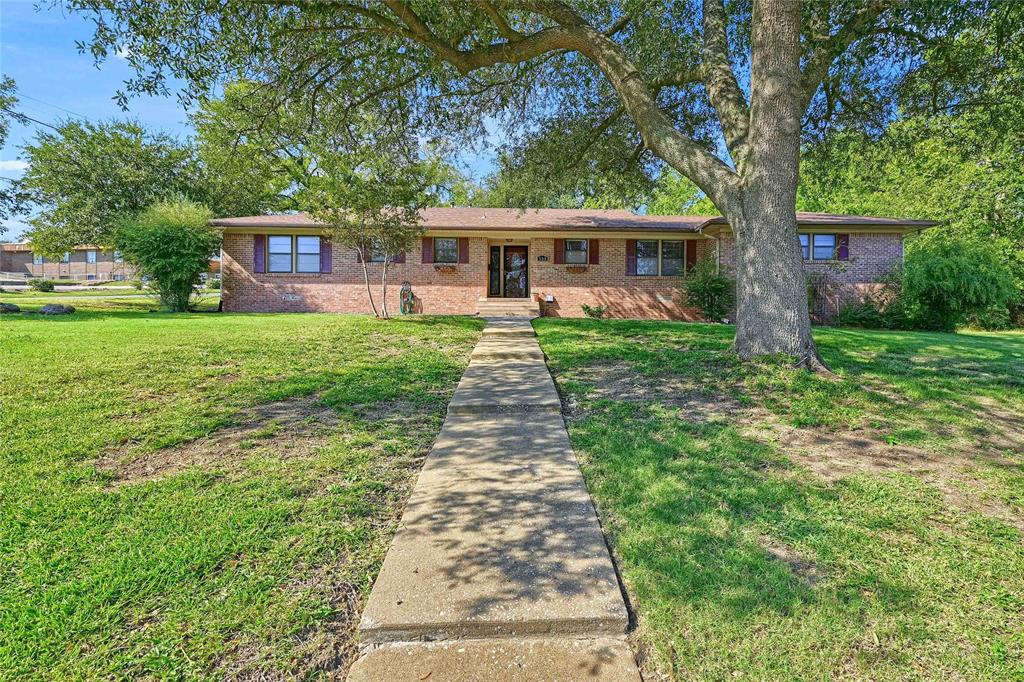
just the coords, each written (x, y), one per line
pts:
(56, 309)
(9, 308)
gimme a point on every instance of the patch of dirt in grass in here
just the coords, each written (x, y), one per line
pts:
(833, 455)
(291, 427)
(1004, 429)
(808, 573)
(325, 650)
(621, 381)
(330, 646)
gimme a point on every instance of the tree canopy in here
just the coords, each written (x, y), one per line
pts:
(87, 176)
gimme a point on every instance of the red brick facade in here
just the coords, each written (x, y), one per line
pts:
(456, 289)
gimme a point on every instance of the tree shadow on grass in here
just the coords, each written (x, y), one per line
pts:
(704, 516)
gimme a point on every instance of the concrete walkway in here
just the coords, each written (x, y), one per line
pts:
(499, 570)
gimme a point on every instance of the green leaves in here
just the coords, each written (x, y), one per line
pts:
(944, 281)
(170, 242)
(88, 177)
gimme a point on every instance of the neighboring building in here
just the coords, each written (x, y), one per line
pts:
(84, 263)
(533, 261)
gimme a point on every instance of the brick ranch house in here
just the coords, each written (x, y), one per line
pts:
(85, 263)
(532, 261)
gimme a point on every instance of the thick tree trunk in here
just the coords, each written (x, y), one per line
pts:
(772, 315)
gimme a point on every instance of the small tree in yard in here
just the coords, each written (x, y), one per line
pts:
(370, 200)
(171, 243)
(713, 293)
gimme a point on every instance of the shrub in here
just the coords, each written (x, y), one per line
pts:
(170, 243)
(994, 318)
(946, 282)
(595, 312)
(713, 293)
(41, 284)
(214, 283)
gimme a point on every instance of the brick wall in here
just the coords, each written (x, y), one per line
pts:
(607, 284)
(452, 289)
(456, 289)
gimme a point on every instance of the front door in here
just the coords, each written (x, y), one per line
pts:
(515, 272)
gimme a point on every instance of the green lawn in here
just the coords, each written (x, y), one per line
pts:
(100, 299)
(201, 495)
(771, 524)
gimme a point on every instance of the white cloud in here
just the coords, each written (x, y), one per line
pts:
(15, 166)
(123, 53)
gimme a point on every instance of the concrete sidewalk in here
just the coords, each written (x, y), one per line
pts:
(499, 570)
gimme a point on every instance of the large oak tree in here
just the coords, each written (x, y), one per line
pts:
(722, 93)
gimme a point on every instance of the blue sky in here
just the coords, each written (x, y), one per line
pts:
(56, 82)
(37, 49)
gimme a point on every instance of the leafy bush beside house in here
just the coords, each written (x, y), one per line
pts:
(170, 243)
(713, 293)
(41, 284)
(943, 284)
(946, 282)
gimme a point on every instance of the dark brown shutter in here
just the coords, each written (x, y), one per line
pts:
(559, 251)
(630, 256)
(594, 247)
(325, 255)
(691, 254)
(428, 250)
(843, 246)
(463, 249)
(399, 257)
(259, 252)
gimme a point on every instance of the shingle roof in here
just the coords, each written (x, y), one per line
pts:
(542, 219)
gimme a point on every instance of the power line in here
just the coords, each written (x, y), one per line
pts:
(20, 116)
(67, 111)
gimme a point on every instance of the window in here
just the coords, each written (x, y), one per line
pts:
(446, 250)
(90, 276)
(647, 257)
(37, 259)
(118, 278)
(66, 258)
(90, 256)
(672, 258)
(805, 240)
(118, 257)
(576, 251)
(279, 250)
(824, 246)
(376, 252)
(307, 250)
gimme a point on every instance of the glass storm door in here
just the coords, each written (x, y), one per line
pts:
(516, 285)
(494, 272)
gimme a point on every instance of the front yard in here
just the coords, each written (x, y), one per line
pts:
(778, 525)
(205, 495)
(211, 495)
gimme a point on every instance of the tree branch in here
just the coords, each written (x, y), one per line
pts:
(500, 21)
(573, 33)
(620, 24)
(820, 60)
(723, 89)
